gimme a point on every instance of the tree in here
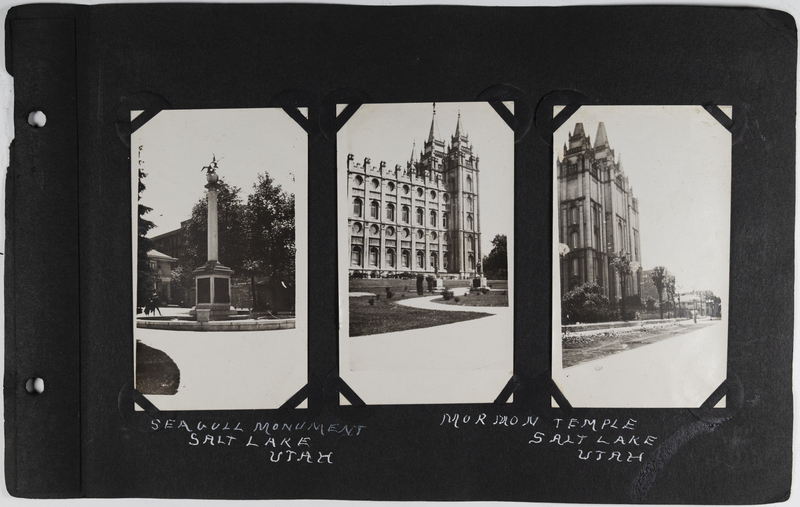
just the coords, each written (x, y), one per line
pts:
(495, 265)
(585, 303)
(270, 230)
(659, 278)
(669, 287)
(622, 266)
(145, 283)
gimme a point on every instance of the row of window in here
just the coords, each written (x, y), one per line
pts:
(405, 212)
(356, 257)
(405, 233)
(375, 183)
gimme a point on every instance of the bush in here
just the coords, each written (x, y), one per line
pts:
(420, 286)
(456, 299)
(389, 293)
(371, 302)
(484, 290)
(447, 294)
(431, 282)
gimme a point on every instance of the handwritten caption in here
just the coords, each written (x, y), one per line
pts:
(300, 442)
(616, 440)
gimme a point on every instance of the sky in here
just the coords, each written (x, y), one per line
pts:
(388, 132)
(678, 162)
(177, 144)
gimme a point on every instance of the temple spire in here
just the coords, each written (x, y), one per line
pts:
(431, 135)
(458, 124)
(413, 151)
(601, 139)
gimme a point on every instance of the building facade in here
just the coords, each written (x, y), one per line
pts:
(162, 266)
(421, 218)
(598, 216)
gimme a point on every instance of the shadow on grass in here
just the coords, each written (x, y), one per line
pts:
(156, 372)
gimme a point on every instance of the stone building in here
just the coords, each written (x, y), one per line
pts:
(162, 266)
(423, 217)
(598, 216)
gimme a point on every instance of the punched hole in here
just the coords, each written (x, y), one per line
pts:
(37, 119)
(34, 386)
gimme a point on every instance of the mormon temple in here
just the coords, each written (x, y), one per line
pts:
(423, 217)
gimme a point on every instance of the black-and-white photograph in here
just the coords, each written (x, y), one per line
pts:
(426, 202)
(641, 236)
(220, 258)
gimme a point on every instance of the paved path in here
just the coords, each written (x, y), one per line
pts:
(463, 362)
(676, 372)
(231, 370)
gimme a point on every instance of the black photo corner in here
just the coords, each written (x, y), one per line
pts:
(258, 318)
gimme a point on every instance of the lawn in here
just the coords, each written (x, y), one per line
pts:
(474, 298)
(156, 373)
(579, 348)
(386, 316)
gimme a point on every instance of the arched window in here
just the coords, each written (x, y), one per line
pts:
(373, 256)
(357, 207)
(405, 259)
(444, 261)
(420, 217)
(433, 194)
(470, 222)
(445, 220)
(471, 261)
(470, 205)
(434, 235)
(390, 212)
(573, 240)
(390, 257)
(406, 189)
(355, 256)
(359, 180)
(598, 273)
(375, 183)
(575, 267)
(469, 184)
(405, 215)
(621, 236)
(389, 232)
(374, 210)
(471, 244)
(445, 197)
(574, 214)
(433, 218)
(373, 229)
(420, 192)
(434, 260)
(420, 259)
(420, 234)
(357, 228)
(391, 186)
(406, 233)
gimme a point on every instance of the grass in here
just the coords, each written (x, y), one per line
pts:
(492, 298)
(156, 372)
(386, 316)
(579, 348)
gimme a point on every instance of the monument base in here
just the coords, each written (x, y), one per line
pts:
(213, 288)
(479, 282)
(438, 285)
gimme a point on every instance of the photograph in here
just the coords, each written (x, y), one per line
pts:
(220, 258)
(641, 256)
(426, 221)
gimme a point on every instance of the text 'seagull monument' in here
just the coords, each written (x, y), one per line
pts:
(598, 216)
(421, 218)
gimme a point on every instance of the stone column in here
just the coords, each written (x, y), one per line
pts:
(213, 228)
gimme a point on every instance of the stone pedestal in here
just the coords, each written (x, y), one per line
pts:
(438, 285)
(479, 282)
(212, 283)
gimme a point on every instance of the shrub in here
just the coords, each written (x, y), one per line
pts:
(484, 290)
(389, 293)
(371, 302)
(447, 294)
(431, 282)
(456, 299)
(420, 286)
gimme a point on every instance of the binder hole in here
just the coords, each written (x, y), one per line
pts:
(34, 386)
(37, 119)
